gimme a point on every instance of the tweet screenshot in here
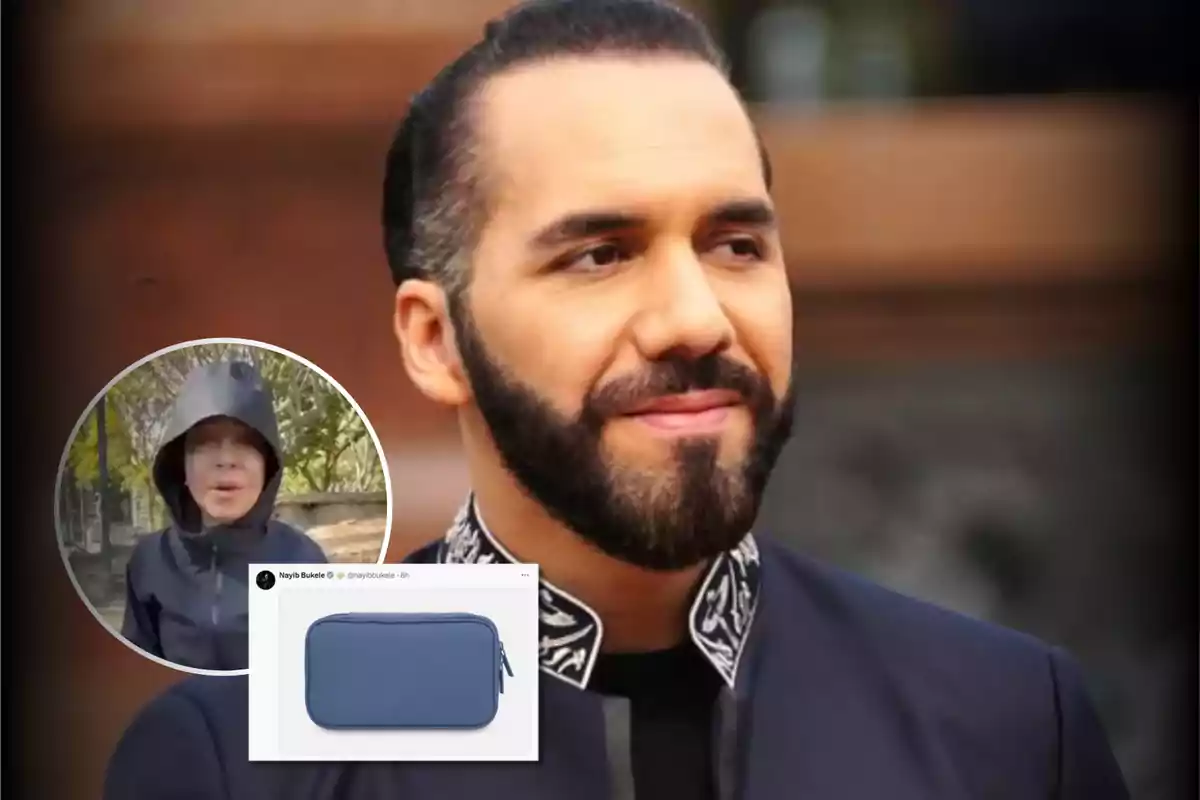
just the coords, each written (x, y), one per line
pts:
(393, 662)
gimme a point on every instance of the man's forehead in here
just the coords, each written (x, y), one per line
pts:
(219, 425)
(615, 130)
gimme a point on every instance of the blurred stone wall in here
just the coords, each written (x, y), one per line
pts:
(306, 511)
(349, 526)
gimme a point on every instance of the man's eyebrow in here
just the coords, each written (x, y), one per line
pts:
(585, 225)
(588, 224)
(751, 213)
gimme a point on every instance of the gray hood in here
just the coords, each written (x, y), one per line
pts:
(223, 389)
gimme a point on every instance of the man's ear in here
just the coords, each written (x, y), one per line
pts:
(422, 325)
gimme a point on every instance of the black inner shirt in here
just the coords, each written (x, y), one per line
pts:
(672, 695)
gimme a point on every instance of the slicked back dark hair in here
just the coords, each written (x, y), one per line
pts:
(433, 205)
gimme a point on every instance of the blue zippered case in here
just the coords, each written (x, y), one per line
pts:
(439, 671)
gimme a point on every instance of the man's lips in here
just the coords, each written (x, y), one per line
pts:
(691, 412)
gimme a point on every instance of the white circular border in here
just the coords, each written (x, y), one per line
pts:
(58, 527)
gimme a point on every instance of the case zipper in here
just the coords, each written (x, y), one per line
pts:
(507, 667)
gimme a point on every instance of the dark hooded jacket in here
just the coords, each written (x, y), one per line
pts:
(832, 689)
(185, 598)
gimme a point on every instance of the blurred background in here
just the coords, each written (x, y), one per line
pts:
(333, 485)
(985, 205)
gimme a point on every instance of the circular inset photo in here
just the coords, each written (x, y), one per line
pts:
(198, 461)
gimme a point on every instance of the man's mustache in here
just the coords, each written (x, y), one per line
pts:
(676, 376)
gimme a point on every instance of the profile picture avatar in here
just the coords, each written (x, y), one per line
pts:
(197, 462)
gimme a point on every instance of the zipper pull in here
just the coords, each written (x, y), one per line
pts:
(504, 658)
(507, 667)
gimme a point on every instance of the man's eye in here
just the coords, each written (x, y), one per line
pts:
(742, 248)
(599, 257)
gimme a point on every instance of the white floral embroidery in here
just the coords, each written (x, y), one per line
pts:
(570, 638)
(465, 543)
(725, 606)
(720, 619)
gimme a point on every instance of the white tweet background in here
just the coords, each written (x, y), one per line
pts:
(280, 727)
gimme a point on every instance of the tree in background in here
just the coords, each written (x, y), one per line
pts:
(83, 462)
(326, 444)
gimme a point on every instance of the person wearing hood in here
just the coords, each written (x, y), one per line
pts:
(218, 471)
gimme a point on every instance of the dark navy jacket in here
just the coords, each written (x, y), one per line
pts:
(835, 689)
(185, 587)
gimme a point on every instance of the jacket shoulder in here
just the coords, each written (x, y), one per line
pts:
(193, 741)
(148, 548)
(1017, 706)
(997, 684)
(297, 543)
(887, 617)
(188, 736)
(150, 541)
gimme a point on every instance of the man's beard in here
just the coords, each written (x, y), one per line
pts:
(658, 518)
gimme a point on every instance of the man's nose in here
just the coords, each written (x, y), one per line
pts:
(682, 313)
(227, 453)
